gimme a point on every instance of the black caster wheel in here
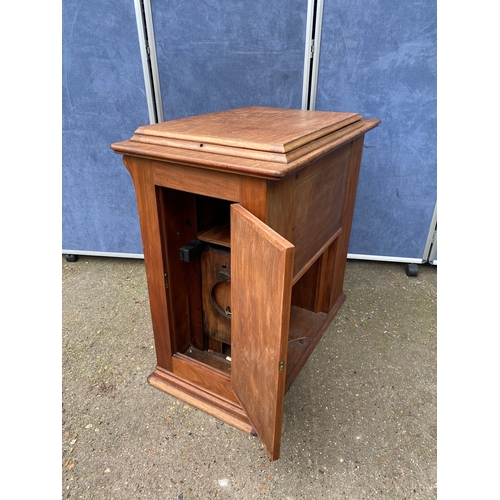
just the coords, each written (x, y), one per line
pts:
(411, 269)
(71, 258)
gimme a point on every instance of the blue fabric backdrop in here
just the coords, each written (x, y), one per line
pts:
(220, 54)
(103, 101)
(378, 58)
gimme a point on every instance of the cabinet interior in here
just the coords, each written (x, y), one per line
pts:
(196, 249)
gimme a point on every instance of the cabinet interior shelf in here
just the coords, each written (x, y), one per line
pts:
(218, 235)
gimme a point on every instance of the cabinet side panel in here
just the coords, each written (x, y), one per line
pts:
(319, 201)
(147, 202)
(348, 211)
(280, 205)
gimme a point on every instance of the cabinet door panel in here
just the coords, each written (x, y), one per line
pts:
(262, 266)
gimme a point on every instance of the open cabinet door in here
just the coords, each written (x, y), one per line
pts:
(261, 287)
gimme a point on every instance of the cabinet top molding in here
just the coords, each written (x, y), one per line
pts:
(255, 140)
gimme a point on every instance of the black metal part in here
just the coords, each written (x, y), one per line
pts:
(71, 258)
(191, 251)
(223, 276)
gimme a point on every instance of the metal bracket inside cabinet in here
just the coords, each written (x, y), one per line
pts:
(191, 251)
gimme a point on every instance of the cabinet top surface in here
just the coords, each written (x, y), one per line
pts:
(255, 140)
(258, 128)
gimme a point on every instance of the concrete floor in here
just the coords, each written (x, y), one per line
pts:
(359, 421)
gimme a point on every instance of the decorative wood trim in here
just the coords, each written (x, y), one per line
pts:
(246, 166)
(141, 172)
(201, 399)
(204, 376)
(223, 185)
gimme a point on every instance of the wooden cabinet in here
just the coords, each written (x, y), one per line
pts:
(245, 217)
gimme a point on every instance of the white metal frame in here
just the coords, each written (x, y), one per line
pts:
(431, 244)
(103, 254)
(145, 60)
(144, 19)
(308, 54)
(312, 48)
(432, 253)
(384, 258)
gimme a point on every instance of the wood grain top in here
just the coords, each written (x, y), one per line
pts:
(257, 141)
(275, 130)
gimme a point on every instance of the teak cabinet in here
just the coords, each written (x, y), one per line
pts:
(245, 218)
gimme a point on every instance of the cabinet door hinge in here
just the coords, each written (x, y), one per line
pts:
(281, 366)
(166, 281)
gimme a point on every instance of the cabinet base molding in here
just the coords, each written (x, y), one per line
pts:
(202, 399)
